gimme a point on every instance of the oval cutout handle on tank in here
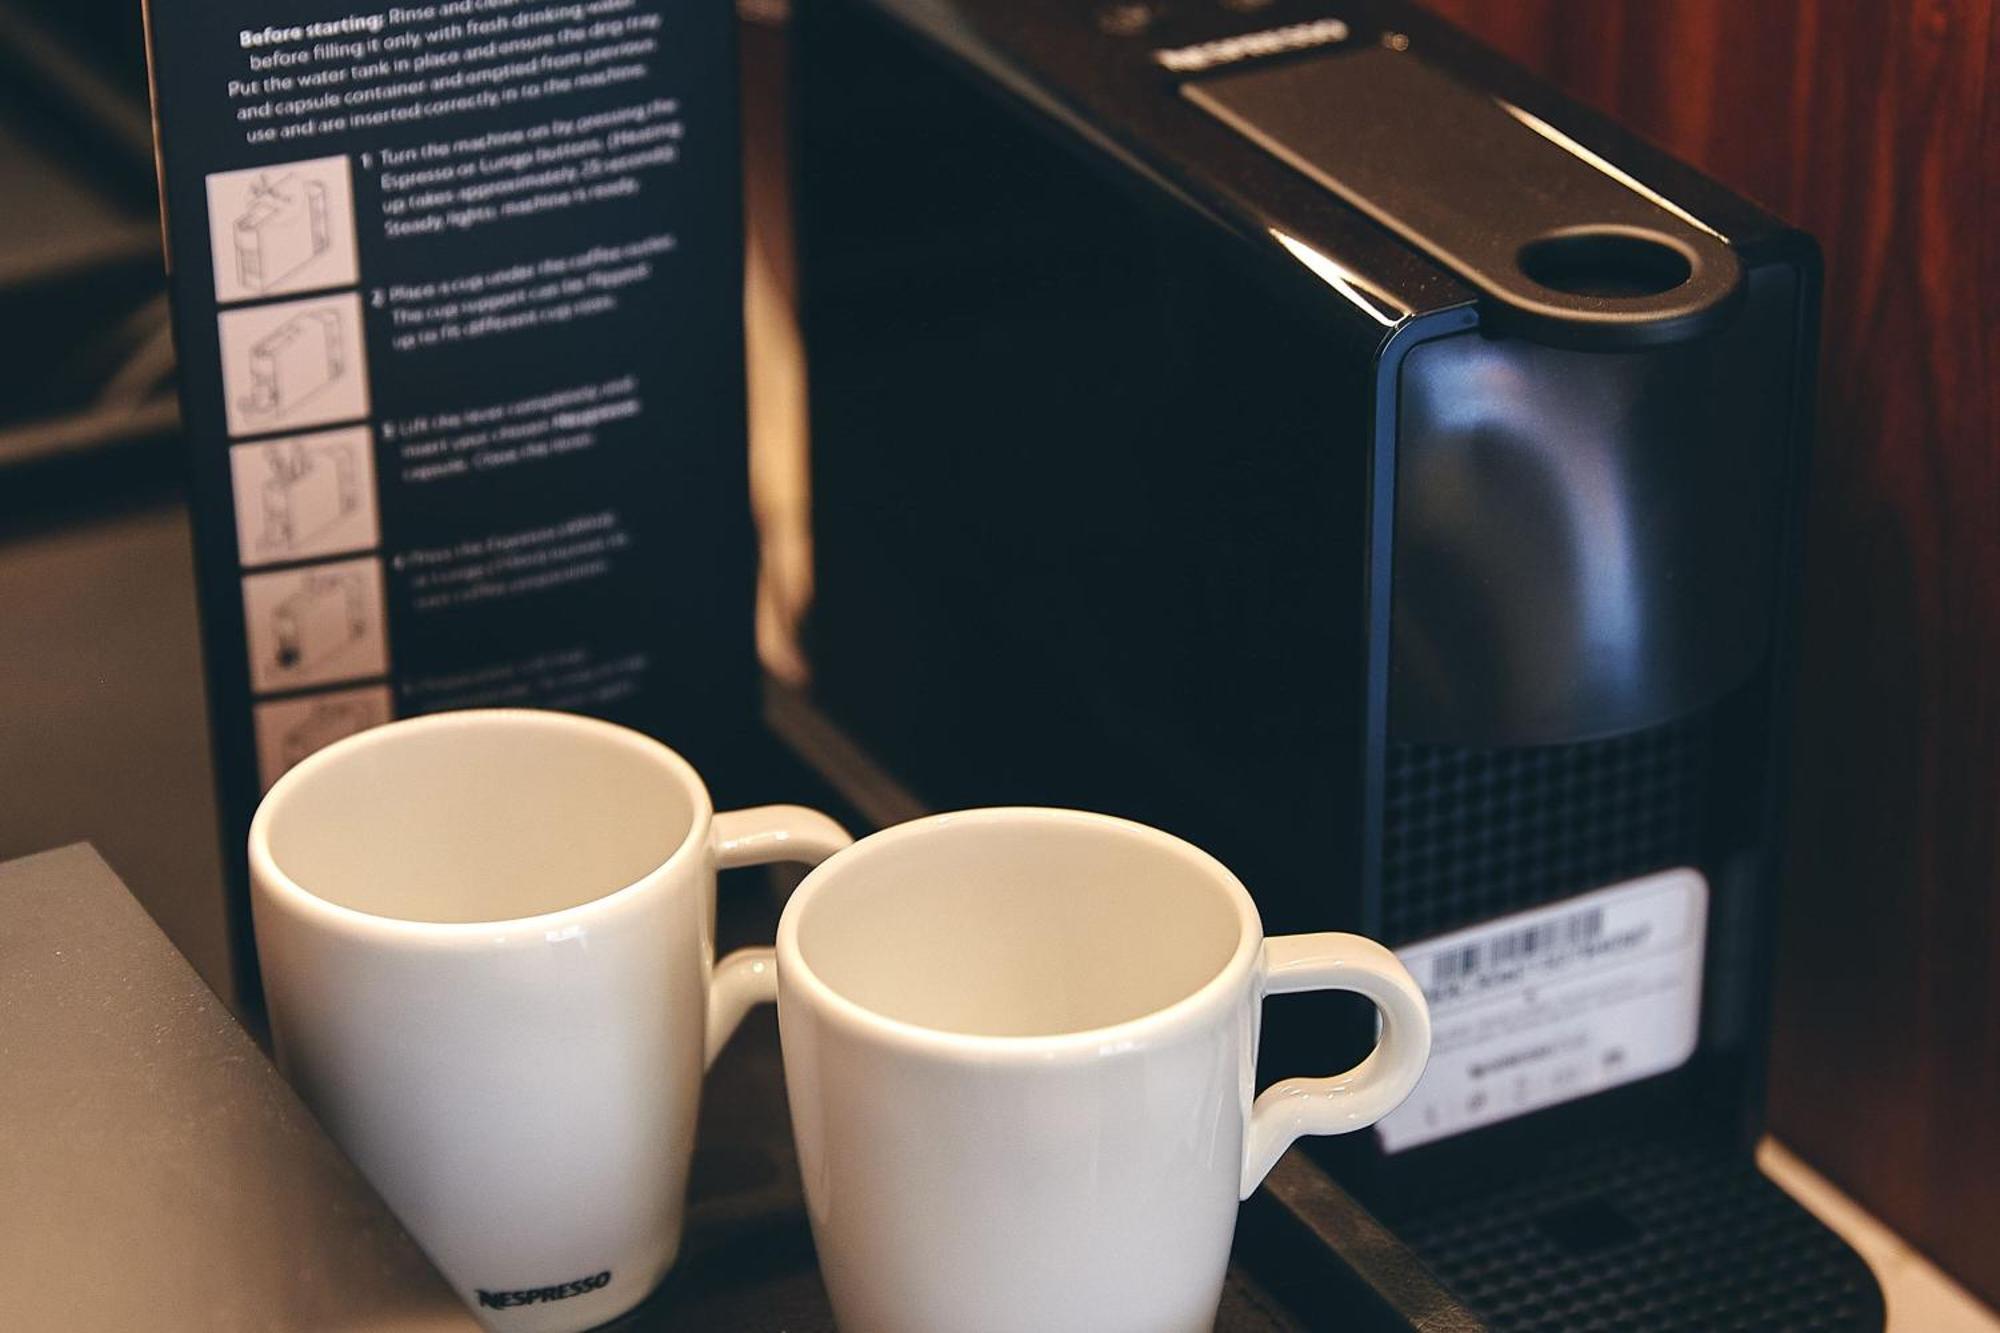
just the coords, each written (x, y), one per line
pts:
(1566, 250)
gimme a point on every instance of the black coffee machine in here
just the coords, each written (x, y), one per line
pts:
(1286, 423)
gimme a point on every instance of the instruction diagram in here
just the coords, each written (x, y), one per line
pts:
(319, 620)
(302, 496)
(282, 231)
(309, 491)
(299, 363)
(282, 228)
(295, 361)
(288, 730)
(315, 625)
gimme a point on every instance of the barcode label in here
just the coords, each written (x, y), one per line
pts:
(1555, 1003)
(1518, 947)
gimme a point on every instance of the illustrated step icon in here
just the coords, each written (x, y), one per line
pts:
(324, 616)
(284, 228)
(312, 487)
(293, 364)
(315, 625)
(295, 361)
(329, 721)
(289, 730)
(300, 497)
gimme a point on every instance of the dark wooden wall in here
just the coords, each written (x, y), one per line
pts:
(1875, 124)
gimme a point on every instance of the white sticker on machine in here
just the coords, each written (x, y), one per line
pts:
(1555, 1003)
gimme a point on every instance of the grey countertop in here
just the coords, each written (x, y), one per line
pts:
(157, 1172)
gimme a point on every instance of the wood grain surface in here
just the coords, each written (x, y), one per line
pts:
(1875, 124)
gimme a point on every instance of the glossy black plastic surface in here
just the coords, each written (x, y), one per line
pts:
(1567, 251)
(1587, 543)
(1153, 475)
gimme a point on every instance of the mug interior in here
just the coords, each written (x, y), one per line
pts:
(480, 816)
(1019, 923)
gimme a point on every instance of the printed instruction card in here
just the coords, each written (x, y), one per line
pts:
(457, 295)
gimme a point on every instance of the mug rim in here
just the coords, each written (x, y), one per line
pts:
(272, 879)
(1142, 1031)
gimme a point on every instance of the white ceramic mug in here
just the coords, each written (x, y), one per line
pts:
(1020, 1045)
(487, 942)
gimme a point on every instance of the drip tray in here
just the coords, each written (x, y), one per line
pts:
(1640, 1235)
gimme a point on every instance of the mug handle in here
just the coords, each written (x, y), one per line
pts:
(1364, 1094)
(759, 835)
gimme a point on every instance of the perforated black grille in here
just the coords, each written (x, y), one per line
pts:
(1643, 1238)
(1470, 834)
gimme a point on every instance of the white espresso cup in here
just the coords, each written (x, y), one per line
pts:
(487, 943)
(1020, 1046)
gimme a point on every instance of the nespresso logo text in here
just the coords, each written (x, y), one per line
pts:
(562, 1291)
(1270, 42)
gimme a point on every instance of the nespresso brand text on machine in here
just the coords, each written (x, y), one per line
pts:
(1272, 41)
